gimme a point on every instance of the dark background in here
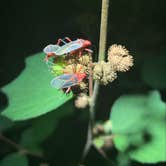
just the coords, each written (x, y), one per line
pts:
(28, 26)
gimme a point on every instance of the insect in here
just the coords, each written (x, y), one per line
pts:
(68, 80)
(68, 47)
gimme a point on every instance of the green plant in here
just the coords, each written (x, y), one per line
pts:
(136, 123)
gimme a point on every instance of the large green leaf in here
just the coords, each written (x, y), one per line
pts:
(153, 71)
(138, 123)
(31, 95)
(14, 159)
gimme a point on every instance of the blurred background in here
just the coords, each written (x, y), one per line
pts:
(28, 26)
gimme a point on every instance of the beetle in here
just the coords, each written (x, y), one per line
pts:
(67, 81)
(68, 47)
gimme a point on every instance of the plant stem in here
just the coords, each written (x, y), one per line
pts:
(102, 48)
(101, 56)
(103, 29)
(21, 149)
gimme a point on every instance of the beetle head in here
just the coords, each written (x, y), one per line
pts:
(81, 76)
(87, 43)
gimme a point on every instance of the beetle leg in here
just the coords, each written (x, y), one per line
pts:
(59, 41)
(48, 56)
(80, 53)
(68, 39)
(88, 50)
(68, 89)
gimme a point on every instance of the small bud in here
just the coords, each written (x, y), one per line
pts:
(82, 101)
(117, 50)
(74, 68)
(119, 57)
(104, 72)
(98, 129)
(85, 60)
(83, 85)
(122, 64)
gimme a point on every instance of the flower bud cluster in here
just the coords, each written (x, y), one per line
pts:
(119, 60)
(119, 57)
(104, 72)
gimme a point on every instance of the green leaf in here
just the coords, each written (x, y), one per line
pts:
(14, 159)
(153, 71)
(31, 95)
(123, 111)
(138, 123)
(156, 105)
(42, 127)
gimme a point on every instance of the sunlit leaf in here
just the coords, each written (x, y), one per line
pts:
(31, 95)
(138, 123)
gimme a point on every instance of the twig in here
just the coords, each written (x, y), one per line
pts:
(21, 149)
